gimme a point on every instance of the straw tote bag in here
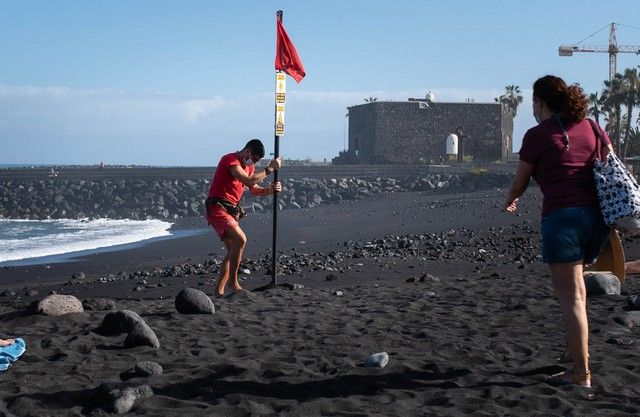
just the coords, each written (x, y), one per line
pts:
(618, 191)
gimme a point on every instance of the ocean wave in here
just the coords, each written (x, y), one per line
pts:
(24, 239)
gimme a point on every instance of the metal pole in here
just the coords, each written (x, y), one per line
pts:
(276, 153)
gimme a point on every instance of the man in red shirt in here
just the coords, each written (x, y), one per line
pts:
(235, 171)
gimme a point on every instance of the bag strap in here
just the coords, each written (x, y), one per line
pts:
(599, 141)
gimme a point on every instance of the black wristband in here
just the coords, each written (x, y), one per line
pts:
(268, 170)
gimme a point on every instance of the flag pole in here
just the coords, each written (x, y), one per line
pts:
(276, 154)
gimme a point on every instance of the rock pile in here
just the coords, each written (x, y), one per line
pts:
(137, 198)
(515, 244)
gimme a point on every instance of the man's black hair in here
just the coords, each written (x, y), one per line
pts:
(256, 147)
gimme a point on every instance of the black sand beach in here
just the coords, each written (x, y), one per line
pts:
(448, 285)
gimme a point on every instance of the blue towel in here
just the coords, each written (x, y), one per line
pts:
(11, 353)
(4, 363)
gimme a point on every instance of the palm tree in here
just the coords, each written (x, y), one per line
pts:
(613, 95)
(631, 92)
(512, 98)
(634, 141)
(370, 99)
(596, 106)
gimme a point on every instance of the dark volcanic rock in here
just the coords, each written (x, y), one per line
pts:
(121, 399)
(632, 303)
(148, 368)
(126, 321)
(141, 335)
(192, 301)
(118, 322)
(601, 283)
(57, 305)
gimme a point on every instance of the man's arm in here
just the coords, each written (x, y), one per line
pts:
(262, 191)
(257, 177)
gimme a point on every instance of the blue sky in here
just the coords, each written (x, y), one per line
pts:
(183, 82)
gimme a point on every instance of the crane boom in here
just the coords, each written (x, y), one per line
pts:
(613, 49)
(568, 50)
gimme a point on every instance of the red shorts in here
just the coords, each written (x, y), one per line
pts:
(220, 220)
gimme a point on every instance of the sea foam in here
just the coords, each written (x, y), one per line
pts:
(25, 239)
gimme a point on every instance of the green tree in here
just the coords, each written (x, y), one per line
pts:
(613, 95)
(634, 141)
(511, 98)
(631, 96)
(370, 99)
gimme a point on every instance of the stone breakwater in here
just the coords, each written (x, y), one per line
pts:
(168, 199)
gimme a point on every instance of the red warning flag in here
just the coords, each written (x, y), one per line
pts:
(287, 58)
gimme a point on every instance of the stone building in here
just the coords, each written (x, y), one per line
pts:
(415, 131)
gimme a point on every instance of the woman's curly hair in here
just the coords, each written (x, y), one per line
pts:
(569, 102)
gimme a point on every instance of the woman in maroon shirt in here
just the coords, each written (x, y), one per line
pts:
(558, 154)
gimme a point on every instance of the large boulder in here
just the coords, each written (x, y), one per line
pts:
(58, 304)
(601, 283)
(192, 301)
(126, 321)
(141, 335)
(118, 322)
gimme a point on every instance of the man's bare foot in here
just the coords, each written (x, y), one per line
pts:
(237, 288)
(6, 342)
(632, 267)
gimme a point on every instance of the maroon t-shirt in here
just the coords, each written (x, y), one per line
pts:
(565, 176)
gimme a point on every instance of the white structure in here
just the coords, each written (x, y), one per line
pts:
(430, 97)
(452, 144)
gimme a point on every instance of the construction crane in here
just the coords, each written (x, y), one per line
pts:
(613, 49)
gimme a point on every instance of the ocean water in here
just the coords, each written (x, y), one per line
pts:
(24, 240)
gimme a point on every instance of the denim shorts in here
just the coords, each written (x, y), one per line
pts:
(572, 234)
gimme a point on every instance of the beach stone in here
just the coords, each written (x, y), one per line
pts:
(118, 322)
(98, 304)
(619, 341)
(601, 283)
(376, 360)
(141, 335)
(632, 303)
(148, 368)
(630, 319)
(121, 400)
(78, 276)
(192, 301)
(57, 305)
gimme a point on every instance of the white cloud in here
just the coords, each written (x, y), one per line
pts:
(198, 109)
(63, 125)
